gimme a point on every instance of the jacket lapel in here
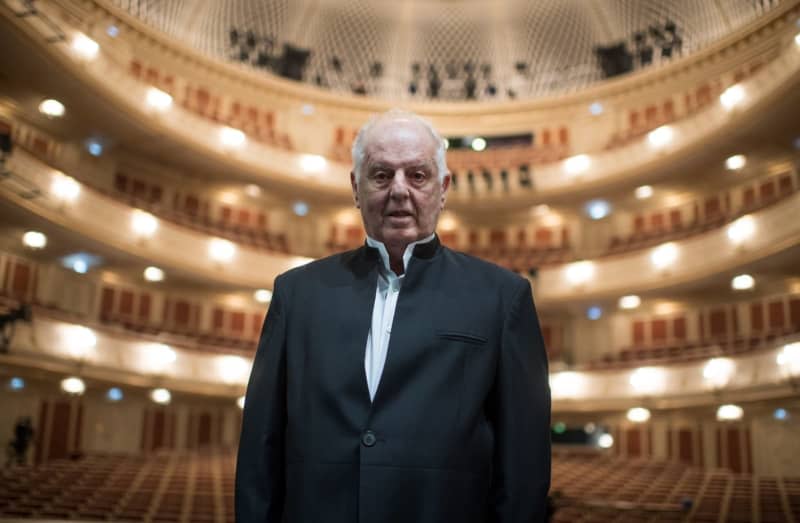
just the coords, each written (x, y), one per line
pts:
(363, 266)
(408, 324)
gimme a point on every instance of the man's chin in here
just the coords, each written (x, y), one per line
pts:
(400, 235)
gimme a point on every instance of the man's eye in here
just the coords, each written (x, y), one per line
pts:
(419, 176)
(380, 176)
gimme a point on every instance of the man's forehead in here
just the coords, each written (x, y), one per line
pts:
(400, 135)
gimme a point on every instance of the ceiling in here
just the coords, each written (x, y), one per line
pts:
(447, 50)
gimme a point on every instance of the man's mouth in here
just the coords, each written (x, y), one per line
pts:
(399, 214)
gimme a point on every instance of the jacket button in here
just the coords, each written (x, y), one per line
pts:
(368, 438)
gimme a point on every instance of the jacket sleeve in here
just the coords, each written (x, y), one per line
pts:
(260, 479)
(519, 411)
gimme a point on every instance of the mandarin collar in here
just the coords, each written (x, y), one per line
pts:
(424, 248)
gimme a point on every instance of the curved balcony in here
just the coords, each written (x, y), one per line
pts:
(772, 87)
(754, 236)
(64, 347)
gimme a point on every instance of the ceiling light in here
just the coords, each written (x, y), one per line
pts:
(79, 340)
(307, 109)
(240, 402)
(300, 208)
(729, 413)
(660, 136)
(153, 274)
(447, 223)
(156, 357)
(732, 96)
(158, 99)
(114, 394)
(577, 164)
(664, 255)
(566, 384)
(313, 163)
(590, 427)
(644, 192)
(161, 396)
(231, 137)
(221, 250)
(743, 282)
(789, 358)
(80, 262)
(84, 46)
(598, 209)
(252, 190)
(578, 273)
(605, 441)
(647, 380)
(65, 188)
(112, 31)
(742, 229)
(638, 415)
(594, 312)
(780, 414)
(233, 369)
(16, 383)
(718, 371)
(94, 147)
(143, 223)
(478, 144)
(736, 162)
(34, 240)
(73, 385)
(52, 108)
(540, 210)
(228, 197)
(596, 108)
(629, 302)
(263, 295)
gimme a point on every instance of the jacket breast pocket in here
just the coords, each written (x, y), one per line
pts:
(466, 337)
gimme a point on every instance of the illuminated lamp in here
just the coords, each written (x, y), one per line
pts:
(729, 412)
(73, 385)
(718, 372)
(221, 250)
(638, 415)
(161, 396)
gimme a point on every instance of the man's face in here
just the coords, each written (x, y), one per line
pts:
(399, 192)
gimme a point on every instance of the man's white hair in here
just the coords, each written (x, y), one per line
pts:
(359, 145)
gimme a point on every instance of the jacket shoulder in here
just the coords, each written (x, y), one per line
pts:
(320, 266)
(482, 270)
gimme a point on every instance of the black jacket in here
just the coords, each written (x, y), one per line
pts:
(460, 424)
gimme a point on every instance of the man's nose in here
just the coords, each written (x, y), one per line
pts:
(399, 186)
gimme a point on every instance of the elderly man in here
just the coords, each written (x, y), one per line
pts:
(401, 382)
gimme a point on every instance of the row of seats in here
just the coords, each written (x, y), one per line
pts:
(692, 351)
(593, 487)
(198, 486)
(676, 223)
(242, 225)
(258, 123)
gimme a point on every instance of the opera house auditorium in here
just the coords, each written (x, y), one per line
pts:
(162, 161)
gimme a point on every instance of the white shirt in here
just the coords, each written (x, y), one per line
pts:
(386, 294)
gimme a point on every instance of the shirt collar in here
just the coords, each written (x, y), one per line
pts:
(375, 244)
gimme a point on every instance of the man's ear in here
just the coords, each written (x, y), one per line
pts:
(354, 186)
(445, 187)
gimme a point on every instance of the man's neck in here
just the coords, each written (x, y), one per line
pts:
(396, 258)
